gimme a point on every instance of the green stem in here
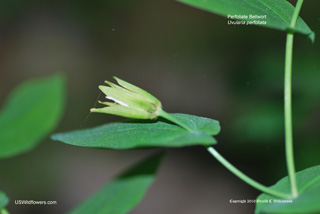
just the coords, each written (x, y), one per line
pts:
(288, 117)
(288, 103)
(167, 116)
(225, 163)
(244, 177)
(296, 12)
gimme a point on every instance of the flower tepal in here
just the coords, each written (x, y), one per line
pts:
(128, 100)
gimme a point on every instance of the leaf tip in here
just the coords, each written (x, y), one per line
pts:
(312, 37)
(54, 137)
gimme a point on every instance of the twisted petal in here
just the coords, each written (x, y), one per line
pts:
(138, 90)
(129, 98)
(129, 101)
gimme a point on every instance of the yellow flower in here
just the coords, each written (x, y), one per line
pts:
(128, 101)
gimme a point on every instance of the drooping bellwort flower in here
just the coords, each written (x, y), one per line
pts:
(128, 101)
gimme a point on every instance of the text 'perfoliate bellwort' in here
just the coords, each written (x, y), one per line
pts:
(128, 101)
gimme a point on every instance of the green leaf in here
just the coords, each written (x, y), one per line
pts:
(124, 192)
(30, 112)
(308, 181)
(278, 12)
(140, 133)
(4, 200)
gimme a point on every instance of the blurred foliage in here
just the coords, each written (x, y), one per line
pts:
(30, 112)
(3, 200)
(125, 191)
(265, 112)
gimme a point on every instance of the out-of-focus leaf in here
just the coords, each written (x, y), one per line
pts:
(124, 192)
(262, 124)
(4, 200)
(31, 111)
(139, 133)
(306, 202)
(278, 12)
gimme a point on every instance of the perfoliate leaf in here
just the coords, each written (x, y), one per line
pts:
(149, 133)
(278, 12)
(308, 182)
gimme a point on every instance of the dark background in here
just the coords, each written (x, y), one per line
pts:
(195, 63)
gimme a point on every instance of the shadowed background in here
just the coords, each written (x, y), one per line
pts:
(195, 63)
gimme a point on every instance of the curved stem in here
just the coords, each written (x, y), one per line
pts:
(296, 12)
(288, 102)
(244, 177)
(225, 163)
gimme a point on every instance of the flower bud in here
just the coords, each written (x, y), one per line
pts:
(128, 101)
